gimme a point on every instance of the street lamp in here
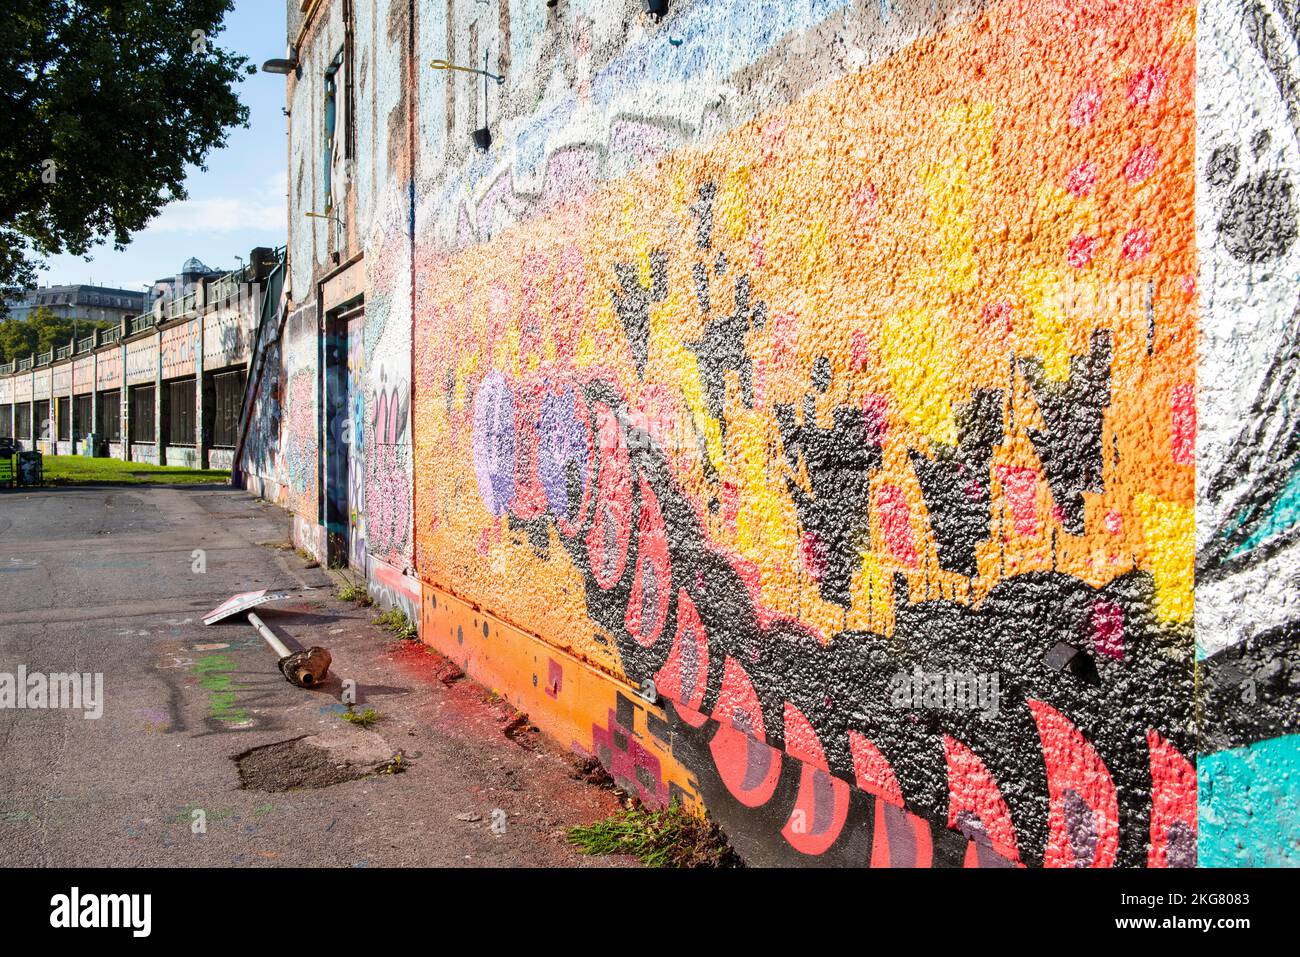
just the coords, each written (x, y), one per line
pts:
(281, 66)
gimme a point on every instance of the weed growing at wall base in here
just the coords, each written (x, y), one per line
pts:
(396, 622)
(671, 837)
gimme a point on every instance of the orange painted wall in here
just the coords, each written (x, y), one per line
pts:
(985, 241)
(917, 225)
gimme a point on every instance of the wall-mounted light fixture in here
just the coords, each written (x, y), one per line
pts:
(281, 66)
(445, 65)
(330, 216)
(482, 136)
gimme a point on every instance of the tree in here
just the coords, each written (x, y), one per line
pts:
(40, 332)
(102, 106)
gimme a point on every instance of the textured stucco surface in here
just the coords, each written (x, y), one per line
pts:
(779, 353)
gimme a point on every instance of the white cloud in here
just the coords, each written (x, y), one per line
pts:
(220, 215)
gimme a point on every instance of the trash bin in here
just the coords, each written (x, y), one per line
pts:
(31, 468)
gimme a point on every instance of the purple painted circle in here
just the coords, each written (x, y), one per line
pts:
(562, 449)
(494, 443)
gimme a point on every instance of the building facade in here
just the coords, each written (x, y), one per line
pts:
(873, 422)
(165, 387)
(87, 303)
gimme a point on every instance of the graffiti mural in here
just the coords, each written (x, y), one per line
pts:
(356, 445)
(386, 387)
(862, 389)
(1248, 452)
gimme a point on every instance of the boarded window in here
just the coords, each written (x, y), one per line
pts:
(142, 404)
(228, 401)
(41, 412)
(64, 417)
(81, 412)
(180, 412)
(23, 421)
(110, 416)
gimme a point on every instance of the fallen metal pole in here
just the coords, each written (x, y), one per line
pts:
(303, 668)
(276, 644)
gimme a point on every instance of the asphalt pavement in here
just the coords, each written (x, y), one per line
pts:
(114, 581)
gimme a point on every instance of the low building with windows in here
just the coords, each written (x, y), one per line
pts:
(164, 386)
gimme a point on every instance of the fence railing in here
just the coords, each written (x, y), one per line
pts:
(180, 306)
(140, 323)
(219, 290)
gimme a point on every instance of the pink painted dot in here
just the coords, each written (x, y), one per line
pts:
(757, 248)
(1146, 86)
(859, 349)
(1108, 629)
(813, 552)
(1082, 178)
(1188, 284)
(1081, 250)
(1084, 107)
(1136, 244)
(864, 203)
(1141, 163)
(997, 315)
(773, 138)
(1114, 521)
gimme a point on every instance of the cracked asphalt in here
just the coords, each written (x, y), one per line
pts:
(115, 580)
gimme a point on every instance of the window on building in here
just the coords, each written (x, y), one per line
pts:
(142, 404)
(180, 412)
(81, 412)
(41, 412)
(336, 134)
(23, 421)
(110, 416)
(64, 417)
(6, 421)
(228, 402)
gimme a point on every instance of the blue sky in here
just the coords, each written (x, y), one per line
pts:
(238, 203)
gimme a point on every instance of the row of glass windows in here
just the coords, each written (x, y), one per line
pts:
(224, 398)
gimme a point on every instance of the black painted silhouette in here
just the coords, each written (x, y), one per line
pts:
(1258, 221)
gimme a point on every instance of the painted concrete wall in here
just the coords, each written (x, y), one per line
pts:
(783, 367)
(1248, 457)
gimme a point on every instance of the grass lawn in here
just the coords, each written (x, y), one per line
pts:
(77, 469)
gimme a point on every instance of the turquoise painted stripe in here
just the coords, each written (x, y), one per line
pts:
(1284, 515)
(1250, 805)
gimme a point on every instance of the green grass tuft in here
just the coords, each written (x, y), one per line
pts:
(671, 837)
(397, 623)
(363, 719)
(353, 593)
